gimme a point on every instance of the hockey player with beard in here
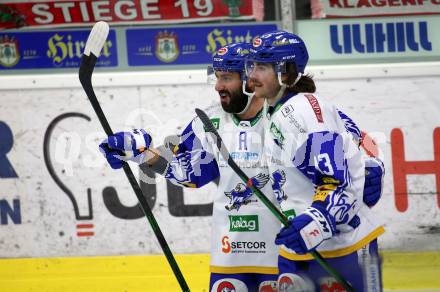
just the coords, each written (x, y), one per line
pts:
(243, 253)
(306, 138)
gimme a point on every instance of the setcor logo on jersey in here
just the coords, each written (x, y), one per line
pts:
(235, 247)
(242, 193)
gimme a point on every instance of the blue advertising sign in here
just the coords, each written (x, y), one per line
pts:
(185, 45)
(51, 49)
(371, 40)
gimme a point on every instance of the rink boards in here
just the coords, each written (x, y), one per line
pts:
(50, 164)
(402, 271)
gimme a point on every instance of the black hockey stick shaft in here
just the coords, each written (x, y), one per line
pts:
(263, 198)
(85, 76)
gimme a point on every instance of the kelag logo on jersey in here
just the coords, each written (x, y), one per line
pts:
(243, 223)
(242, 246)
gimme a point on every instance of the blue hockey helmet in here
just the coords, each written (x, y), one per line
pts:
(279, 47)
(231, 58)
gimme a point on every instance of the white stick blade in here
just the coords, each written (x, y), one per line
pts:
(96, 39)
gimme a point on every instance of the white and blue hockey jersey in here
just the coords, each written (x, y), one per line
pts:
(243, 229)
(313, 155)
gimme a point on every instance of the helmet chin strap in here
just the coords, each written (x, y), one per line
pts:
(249, 95)
(297, 78)
(284, 86)
(281, 91)
(243, 88)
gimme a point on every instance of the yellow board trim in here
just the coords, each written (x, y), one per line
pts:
(98, 274)
(401, 271)
(411, 271)
(244, 269)
(337, 252)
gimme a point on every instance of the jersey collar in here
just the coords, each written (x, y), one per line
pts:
(249, 122)
(273, 109)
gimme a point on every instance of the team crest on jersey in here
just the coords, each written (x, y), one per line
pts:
(241, 194)
(167, 49)
(278, 179)
(9, 53)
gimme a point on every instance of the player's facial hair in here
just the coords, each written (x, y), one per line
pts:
(237, 101)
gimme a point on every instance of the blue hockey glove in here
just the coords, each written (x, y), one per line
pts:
(111, 155)
(307, 230)
(374, 173)
(125, 146)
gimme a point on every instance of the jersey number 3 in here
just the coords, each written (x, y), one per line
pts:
(322, 162)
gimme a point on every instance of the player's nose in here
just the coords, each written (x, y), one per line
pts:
(219, 86)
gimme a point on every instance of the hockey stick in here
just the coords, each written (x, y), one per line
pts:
(283, 219)
(94, 44)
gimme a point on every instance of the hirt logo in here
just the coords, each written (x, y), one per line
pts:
(226, 246)
(222, 51)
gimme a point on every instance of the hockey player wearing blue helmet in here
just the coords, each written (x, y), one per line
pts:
(317, 148)
(243, 253)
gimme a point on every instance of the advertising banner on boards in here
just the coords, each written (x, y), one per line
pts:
(55, 13)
